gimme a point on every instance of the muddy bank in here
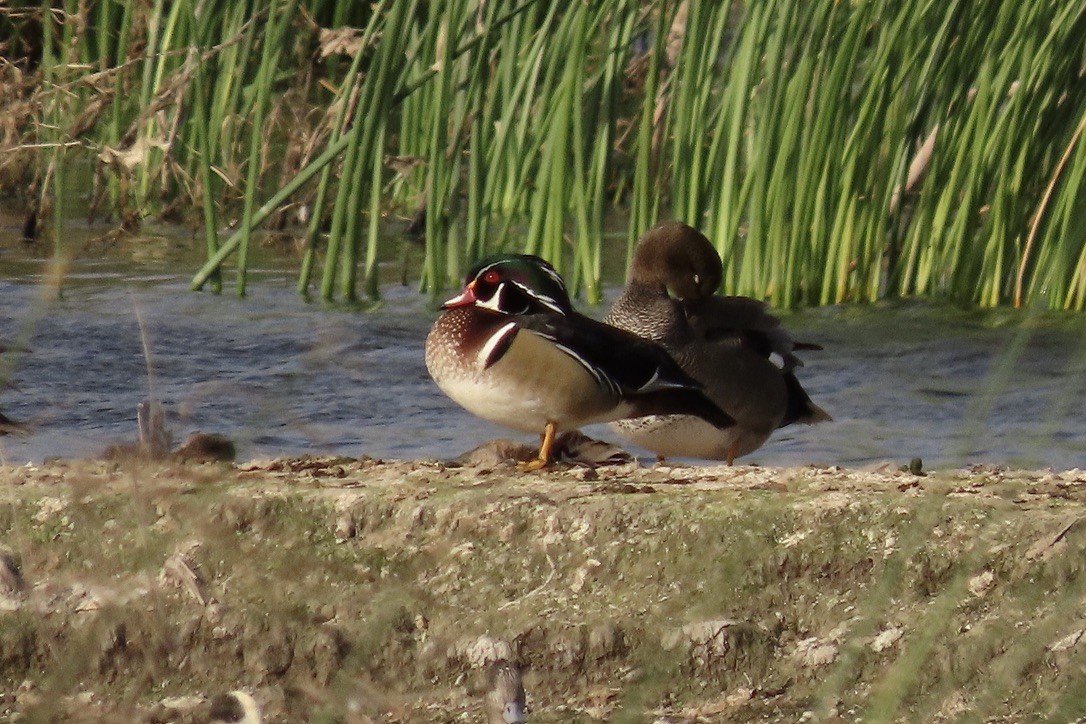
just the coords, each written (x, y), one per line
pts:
(344, 590)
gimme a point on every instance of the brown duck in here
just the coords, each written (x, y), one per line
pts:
(733, 346)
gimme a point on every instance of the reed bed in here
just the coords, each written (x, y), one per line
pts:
(834, 152)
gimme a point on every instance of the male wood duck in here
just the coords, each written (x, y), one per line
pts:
(511, 349)
(731, 345)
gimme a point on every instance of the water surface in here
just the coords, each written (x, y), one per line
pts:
(282, 377)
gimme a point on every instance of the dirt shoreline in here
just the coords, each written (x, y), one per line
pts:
(361, 590)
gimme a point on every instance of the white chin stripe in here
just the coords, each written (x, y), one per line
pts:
(777, 360)
(495, 302)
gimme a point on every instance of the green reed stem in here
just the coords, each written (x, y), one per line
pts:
(269, 64)
(207, 178)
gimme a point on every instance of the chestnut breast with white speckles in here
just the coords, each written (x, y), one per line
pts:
(528, 382)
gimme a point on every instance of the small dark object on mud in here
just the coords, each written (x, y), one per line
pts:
(236, 707)
(11, 427)
(504, 693)
(915, 466)
(206, 447)
(11, 575)
(198, 447)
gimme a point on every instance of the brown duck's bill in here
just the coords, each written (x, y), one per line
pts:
(464, 299)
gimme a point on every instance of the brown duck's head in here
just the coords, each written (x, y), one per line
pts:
(678, 259)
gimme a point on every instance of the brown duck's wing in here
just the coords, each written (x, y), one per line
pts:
(747, 323)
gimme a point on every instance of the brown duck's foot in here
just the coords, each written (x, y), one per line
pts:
(731, 454)
(546, 443)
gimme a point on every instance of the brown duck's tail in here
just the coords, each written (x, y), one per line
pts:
(682, 401)
(800, 407)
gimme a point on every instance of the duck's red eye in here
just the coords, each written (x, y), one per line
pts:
(492, 277)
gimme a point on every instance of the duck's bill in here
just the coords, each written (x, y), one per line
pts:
(463, 299)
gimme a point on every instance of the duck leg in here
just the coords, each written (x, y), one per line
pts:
(546, 443)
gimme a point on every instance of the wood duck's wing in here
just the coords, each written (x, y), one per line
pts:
(620, 360)
(629, 366)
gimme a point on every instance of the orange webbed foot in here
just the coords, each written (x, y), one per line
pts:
(546, 443)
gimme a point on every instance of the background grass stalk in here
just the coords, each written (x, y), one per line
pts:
(269, 63)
